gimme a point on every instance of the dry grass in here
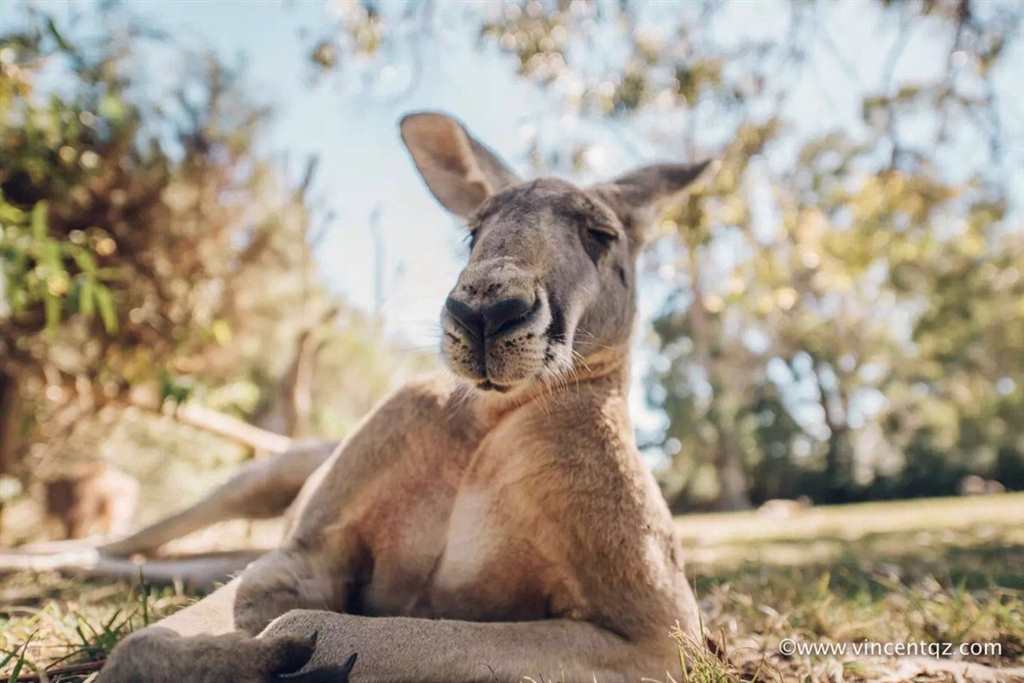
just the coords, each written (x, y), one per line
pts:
(948, 570)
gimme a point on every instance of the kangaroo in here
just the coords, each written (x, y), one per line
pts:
(487, 523)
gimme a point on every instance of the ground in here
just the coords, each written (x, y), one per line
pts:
(922, 573)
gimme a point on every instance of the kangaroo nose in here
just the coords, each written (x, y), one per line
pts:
(505, 314)
(490, 319)
(467, 318)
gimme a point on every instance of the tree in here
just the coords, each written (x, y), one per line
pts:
(149, 251)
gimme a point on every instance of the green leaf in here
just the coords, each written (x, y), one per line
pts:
(51, 304)
(50, 256)
(87, 298)
(105, 303)
(18, 299)
(10, 213)
(20, 664)
(39, 229)
(112, 108)
(84, 260)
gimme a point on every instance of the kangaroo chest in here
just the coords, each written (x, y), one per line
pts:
(472, 551)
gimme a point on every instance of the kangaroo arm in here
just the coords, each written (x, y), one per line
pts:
(428, 650)
(270, 586)
(204, 643)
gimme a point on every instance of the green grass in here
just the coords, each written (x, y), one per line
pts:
(933, 570)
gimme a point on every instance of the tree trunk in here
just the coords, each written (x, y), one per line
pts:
(838, 458)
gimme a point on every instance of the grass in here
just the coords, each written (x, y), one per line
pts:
(66, 627)
(933, 571)
(944, 570)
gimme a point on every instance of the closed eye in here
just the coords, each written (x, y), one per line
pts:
(597, 240)
(603, 235)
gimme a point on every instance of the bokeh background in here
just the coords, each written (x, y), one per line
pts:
(211, 238)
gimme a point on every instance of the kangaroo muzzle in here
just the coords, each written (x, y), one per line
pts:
(493, 323)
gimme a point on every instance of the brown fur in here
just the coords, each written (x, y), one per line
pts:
(489, 525)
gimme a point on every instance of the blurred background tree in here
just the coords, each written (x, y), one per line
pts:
(153, 254)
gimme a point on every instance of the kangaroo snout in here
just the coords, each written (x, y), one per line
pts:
(491, 319)
(493, 322)
(492, 297)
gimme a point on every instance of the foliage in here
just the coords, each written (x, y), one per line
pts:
(121, 250)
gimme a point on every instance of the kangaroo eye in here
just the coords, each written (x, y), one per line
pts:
(603, 235)
(597, 240)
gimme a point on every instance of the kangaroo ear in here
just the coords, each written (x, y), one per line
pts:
(460, 171)
(637, 195)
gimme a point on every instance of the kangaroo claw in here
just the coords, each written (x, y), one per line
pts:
(333, 674)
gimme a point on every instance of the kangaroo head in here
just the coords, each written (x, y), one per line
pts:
(551, 274)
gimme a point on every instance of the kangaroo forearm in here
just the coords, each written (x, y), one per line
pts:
(207, 642)
(436, 650)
